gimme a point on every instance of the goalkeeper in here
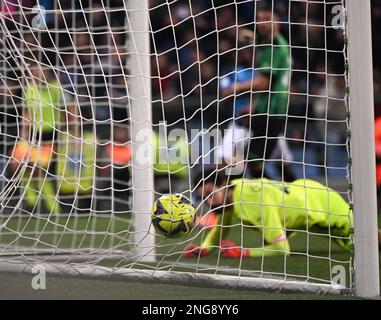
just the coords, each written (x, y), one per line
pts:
(275, 208)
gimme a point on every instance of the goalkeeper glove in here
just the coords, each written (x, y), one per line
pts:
(229, 249)
(192, 250)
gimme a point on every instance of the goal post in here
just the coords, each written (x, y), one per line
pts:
(363, 150)
(139, 90)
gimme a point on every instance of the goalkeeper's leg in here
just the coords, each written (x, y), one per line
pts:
(50, 201)
(30, 192)
(265, 131)
(47, 192)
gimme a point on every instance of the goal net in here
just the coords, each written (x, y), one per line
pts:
(107, 105)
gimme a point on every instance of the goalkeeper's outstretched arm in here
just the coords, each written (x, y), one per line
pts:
(218, 232)
(213, 238)
(229, 249)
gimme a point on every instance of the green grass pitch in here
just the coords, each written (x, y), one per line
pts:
(70, 232)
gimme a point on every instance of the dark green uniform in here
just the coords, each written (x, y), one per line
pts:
(274, 60)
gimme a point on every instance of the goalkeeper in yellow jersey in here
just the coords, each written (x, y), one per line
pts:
(41, 116)
(275, 208)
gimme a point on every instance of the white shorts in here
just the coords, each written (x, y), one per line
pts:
(234, 140)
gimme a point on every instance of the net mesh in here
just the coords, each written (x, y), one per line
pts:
(255, 87)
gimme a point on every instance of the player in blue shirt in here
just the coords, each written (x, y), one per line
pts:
(237, 131)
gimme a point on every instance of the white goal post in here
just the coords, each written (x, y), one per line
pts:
(105, 105)
(141, 122)
(362, 112)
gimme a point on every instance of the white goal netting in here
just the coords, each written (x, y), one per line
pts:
(252, 89)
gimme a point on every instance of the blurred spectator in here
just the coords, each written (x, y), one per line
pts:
(377, 127)
(376, 22)
(117, 165)
(76, 162)
(330, 110)
(377, 131)
(171, 160)
(13, 6)
(9, 7)
(161, 73)
(377, 92)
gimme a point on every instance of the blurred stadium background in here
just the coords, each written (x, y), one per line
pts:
(179, 74)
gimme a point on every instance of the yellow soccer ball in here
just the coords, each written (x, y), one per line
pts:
(173, 215)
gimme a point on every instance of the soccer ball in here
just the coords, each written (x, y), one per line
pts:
(173, 215)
